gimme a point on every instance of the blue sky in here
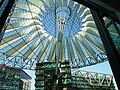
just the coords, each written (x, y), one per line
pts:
(99, 68)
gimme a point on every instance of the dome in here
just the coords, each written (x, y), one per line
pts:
(46, 30)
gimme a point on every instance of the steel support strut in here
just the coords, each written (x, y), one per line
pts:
(112, 53)
(4, 17)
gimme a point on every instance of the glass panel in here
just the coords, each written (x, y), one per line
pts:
(114, 32)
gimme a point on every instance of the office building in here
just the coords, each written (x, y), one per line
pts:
(14, 79)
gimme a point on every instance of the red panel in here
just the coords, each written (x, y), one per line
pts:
(9, 67)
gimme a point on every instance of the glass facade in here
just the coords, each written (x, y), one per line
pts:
(13, 79)
(46, 78)
(114, 32)
(9, 78)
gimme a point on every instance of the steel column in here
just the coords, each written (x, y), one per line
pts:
(90, 4)
(112, 53)
(4, 17)
(1, 3)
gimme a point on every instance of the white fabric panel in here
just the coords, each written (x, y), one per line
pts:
(20, 45)
(8, 43)
(23, 23)
(89, 24)
(25, 15)
(43, 50)
(34, 46)
(20, 34)
(38, 4)
(87, 46)
(9, 30)
(16, 52)
(88, 18)
(52, 51)
(70, 51)
(90, 30)
(30, 8)
(86, 12)
(78, 49)
(95, 42)
(82, 7)
(47, 2)
(13, 29)
(32, 53)
(11, 38)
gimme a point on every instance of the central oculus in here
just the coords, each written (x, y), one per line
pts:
(63, 12)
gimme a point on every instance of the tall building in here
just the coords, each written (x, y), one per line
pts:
(48, 79)
(14, 79)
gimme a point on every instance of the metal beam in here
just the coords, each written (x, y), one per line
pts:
(107, 12)
(112, 53)
(93, 78)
